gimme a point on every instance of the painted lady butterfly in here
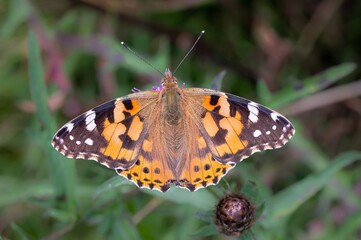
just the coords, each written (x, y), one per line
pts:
(188, 137)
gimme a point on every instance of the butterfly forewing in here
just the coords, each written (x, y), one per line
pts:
(234, 128)
(111, 133)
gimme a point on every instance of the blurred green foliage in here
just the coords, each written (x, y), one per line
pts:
(60, 58)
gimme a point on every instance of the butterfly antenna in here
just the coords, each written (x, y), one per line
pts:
(141, 58)
(190, 50)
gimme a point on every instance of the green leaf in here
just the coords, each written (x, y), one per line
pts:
(185, 226)
(287, 201)
(311, 85)
(201, 199)
(250, 191)
(61, 170)
(247, 235)
(113, 182)
(115, 223)
(346, 230)
(15, 191)
(21, 234)
(15, 16)
(207, 216)
(206, 231)
(263, 92)
(314, 157)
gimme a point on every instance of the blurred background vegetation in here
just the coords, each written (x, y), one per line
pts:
(61, 58)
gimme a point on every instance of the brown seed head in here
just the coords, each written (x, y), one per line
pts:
(234, 214)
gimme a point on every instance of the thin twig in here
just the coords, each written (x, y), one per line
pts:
(318, 23)
(59, 232)
(324, 98)
(155, 202)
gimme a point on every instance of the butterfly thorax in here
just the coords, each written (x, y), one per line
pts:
(171, 96)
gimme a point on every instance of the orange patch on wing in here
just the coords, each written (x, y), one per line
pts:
(120, 109)
(147, 145)
(207, 103)
(234, 143)
(149, 173)
(118, 112)
(210, 125)
(135, 128)
(223, 149)
(125, 154)
(231, 123)
(111, 134)
(234, 129)
(202, 143)
(204, 171)
(195, 171)
(222, 102)
(238, 116)
(135, 109)
(159, 175)
(224, 106)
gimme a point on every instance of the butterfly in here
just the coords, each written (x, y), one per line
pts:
(188, 137)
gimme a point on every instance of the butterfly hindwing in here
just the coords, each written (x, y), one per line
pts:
(152, 169)
(111, 133)
(200, 168)
(175, 155)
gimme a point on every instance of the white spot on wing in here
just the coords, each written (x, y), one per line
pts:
(78, 142)
(253, 112)
(71, 137)
(257, 133)
(89, 141)
(253, 118)
(274, 127)
(274, 116)
(268, 132)
(89, 120)
(90, 127)
(70, 126)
